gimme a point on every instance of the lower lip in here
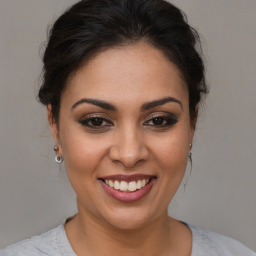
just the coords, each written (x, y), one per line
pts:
(128, 196)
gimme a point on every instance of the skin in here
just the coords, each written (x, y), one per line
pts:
(131, 141)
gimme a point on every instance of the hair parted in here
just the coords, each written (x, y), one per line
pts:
(90, 26)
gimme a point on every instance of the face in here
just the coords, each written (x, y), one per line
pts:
(124, 130)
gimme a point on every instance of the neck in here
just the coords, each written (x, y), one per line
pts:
(88, 234)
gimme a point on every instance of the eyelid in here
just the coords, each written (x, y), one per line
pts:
(95, 115)
(167, 116)
(85, 119)
(162, 114)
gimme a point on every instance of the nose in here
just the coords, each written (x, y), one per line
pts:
(128, 148)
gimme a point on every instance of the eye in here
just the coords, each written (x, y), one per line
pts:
(96, 122)
(158, 121)
(161, 121)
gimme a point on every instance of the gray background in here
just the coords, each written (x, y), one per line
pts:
(220, 194)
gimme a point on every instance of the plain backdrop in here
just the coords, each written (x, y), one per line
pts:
(220, 193)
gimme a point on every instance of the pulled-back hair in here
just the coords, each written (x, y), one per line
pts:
(91, 26)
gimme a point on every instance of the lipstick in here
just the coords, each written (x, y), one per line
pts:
(127, 188)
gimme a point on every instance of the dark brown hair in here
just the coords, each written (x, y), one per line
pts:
(91, 26)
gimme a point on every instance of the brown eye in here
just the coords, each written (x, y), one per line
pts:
(96, 121)
(158, 121)
(161, 121)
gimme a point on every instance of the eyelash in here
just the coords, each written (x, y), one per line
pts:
(88, 122)
(167, 120)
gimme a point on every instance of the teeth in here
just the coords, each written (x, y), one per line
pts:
(110, 183)
(116, 185)
(125, 186)
(132, 186)
(138, 186)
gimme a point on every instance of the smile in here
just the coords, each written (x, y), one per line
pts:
(127, 188)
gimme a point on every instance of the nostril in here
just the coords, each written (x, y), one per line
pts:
(128, 154)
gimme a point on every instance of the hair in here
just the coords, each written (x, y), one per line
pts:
(91, 26)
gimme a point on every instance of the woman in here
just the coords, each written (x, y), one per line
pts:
(122, 85)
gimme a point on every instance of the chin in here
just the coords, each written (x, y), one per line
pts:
(129, 219)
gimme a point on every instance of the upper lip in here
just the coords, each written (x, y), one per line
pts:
(128, 178)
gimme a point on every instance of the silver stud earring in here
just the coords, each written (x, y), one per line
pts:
(58, 158)
(190, 152)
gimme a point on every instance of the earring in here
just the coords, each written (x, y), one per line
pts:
(58, 158)
(190, 152)
(190, 160)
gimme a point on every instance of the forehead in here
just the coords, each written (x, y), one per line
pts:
(137, 71)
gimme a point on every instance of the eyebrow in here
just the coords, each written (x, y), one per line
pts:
(155, 103)
(95, 102)
(144, 107)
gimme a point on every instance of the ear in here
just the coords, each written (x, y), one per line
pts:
(193, 124)
(194, 120)
(54, 127)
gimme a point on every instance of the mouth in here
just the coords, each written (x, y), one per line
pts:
(127, 188)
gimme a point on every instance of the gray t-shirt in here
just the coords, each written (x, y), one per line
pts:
(55, 243)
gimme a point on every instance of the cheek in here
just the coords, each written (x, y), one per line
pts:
(172, 149)
(171, 154)
(173, 162)
(82, 160)
(82, 153)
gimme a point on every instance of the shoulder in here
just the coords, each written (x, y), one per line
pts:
(52, 243)
(206, 243)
